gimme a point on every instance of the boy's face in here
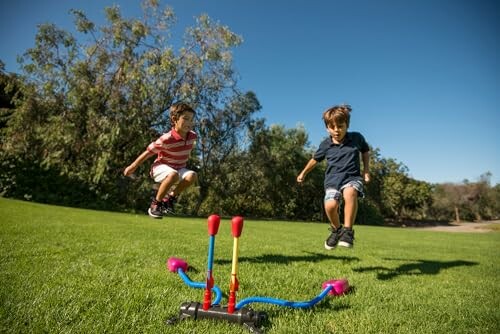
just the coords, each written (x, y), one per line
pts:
(184, 123)
(337, 131)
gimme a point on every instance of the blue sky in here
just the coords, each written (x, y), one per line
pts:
(422, 76)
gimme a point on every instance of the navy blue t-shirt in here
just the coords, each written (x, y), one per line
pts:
(343, 164)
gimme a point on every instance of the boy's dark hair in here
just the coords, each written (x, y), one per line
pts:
(177, 109)
(337, 114)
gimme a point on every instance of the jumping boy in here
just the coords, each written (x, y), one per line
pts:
(169, 168)
(343, 173)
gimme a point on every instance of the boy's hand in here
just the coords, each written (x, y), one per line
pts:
(300, 178)
(129, 170)
(366, 176)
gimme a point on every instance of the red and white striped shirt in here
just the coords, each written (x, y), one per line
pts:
(172, 149)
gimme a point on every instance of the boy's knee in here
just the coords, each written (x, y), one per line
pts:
(174, 176)
(331, 205)
(191, 177)
(350, 193)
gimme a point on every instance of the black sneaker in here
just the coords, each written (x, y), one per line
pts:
(347, 238)
(168, 205)
(155, 209)
(334, 237)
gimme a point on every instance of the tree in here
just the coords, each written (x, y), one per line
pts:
(279, 154)
(221, 132)
(401, 195)
(494, 200)
(94, 101)
(9, 89)
(418, 198)
(374, 189)
(467, 200)
(259, 179)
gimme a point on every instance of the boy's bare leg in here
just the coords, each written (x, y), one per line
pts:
(188, 180)
(332, 212)
(166, 184)
(350, 206)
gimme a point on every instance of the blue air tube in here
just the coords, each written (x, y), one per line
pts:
(282, 302)
(211, 253)
(200, 285)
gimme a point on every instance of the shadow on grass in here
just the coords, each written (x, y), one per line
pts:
(287, 259)
(416, 267)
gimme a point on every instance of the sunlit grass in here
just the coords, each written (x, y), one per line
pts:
(65, 270)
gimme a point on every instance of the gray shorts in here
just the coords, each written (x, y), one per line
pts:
(336, 195)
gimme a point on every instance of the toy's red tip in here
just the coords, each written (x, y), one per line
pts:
(213, 224)
(237, 226)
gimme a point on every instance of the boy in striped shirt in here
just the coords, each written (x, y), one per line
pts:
(169, 168)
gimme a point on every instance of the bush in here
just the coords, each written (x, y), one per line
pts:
(27, 180)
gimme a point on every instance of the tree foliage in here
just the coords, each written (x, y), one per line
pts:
(221, 131)
(467, 200)
(88, 103)
(259, 179)
(9, 89)
(91, 107)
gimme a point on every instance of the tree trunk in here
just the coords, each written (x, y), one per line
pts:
(457, 215)
(201, 197)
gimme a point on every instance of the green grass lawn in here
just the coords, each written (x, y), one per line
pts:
(65, 270)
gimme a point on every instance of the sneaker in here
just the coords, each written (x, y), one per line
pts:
(168, 205)
(155, 209)
(347, 238)
(334, 237)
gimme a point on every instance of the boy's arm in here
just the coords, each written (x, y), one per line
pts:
(366, 166)
(309, 167)
(140, 159)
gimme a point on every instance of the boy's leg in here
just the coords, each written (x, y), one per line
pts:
(332, 203)
(350, 206)
(167, 177)
(350, 195)
(166, 184)
(156, 209)
(187, 180)
(332, 212)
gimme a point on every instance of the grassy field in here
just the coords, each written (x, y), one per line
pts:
(65, 270)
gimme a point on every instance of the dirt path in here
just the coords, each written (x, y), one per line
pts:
(482, 227)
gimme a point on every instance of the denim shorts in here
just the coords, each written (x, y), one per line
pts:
(336, 195)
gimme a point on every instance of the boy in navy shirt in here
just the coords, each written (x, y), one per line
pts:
(343, 177)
